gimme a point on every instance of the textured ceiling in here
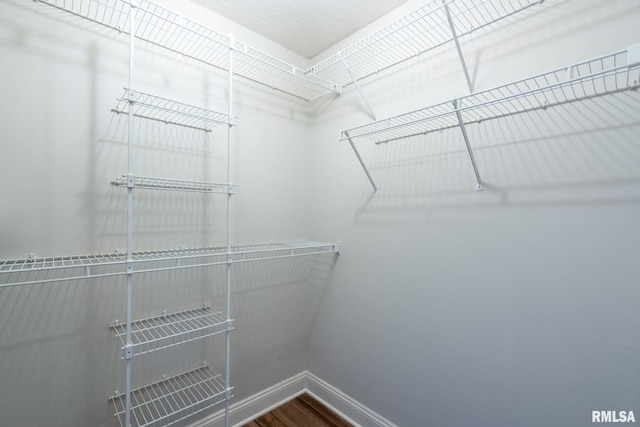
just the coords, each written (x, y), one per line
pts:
(307, 27)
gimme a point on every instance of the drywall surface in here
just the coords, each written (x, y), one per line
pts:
(514, 306)
(62, 146)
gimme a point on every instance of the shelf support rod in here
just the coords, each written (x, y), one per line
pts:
(355, 81)
(457, 42)
(364, 167)
(456, 105)
(130, 138)
(228, 248)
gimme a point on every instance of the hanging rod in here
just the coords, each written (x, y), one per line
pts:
(420, 31)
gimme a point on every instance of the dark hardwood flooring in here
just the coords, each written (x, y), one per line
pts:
(303, 411)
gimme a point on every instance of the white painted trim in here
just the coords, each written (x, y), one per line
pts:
(260, 403)
(252, 407)
(333, 408)
(270, 408)
(348, 408)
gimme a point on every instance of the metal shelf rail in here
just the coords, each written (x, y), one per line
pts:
(173, 399)
(16, 272)
(170, 329)
(435, 24)
(169, 30)
(151, 183)
(608, 74)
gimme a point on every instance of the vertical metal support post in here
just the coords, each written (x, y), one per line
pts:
(130, 137)
(364, 167)
(229, 258)
(479, 185)
(364, 98)
(455, 40)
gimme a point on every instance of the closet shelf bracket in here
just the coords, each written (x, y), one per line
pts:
(364, 167)
(128, 352)
(454, 36)
(357, 85)
(457, 104)
(132, 95)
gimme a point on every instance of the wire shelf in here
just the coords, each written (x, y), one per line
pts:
(33, 263)
(601, 76)
(32, 270)
(264, 251)
(277, 75)
(173, 399)
(418, 32)
(169, 30)
(150, 183)
(170, 329)
(167, 111)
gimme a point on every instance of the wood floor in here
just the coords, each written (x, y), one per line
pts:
(303, 411)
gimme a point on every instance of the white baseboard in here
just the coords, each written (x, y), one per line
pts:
(242, 412)
(348, 408)
(246, 410)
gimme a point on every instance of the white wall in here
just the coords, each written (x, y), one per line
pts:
(512, 306)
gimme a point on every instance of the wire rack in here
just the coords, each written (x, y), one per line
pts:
(150, 183)
(416, 33)
(169, 30)
(173, 399)
(33, 270)
(608, 74)
(167, 111)
(262, 68)
(170, 329)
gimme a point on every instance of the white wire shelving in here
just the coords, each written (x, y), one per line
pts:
(167, 111)
(174, 398)
(435, 24)
(605, 75)
(150, 183)
(36, 270)
(264, 69)
(169, 30)
(171, 329)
